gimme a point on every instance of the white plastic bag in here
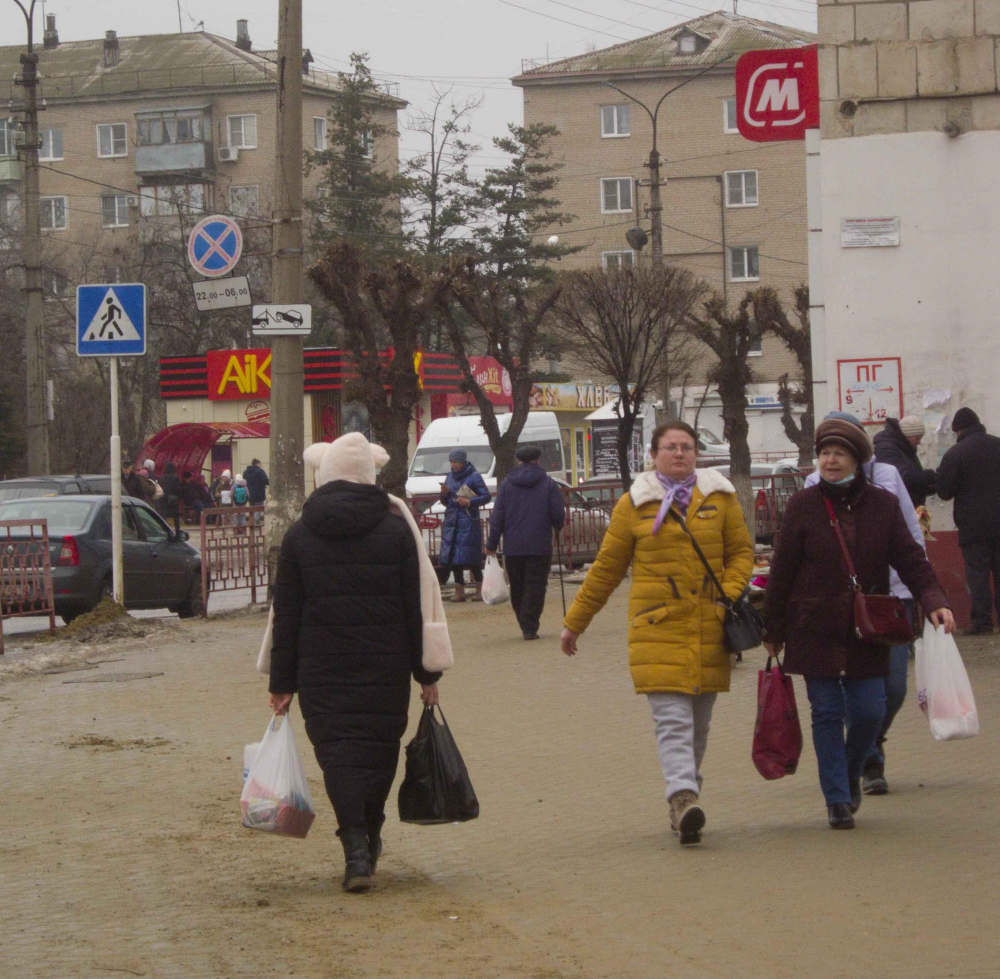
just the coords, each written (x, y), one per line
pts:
(276, 795)
(943, 689)
(494, 586)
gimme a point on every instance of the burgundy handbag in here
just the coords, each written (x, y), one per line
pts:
(880, 619)
(777, 736)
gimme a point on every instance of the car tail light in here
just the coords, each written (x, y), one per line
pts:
(69, 554)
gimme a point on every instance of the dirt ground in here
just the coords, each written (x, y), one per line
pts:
(123, 855)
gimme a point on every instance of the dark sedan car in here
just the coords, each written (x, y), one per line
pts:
(18, 489)
(161, 569)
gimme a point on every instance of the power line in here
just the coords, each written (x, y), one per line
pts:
(617, 37)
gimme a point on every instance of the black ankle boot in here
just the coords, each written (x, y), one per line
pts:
(374, 844)
(358, 871)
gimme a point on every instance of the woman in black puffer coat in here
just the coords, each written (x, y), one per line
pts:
(347, 638)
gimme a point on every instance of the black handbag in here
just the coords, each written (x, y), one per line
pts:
(743, 626)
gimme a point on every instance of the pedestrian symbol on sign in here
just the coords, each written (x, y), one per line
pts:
(111, 322)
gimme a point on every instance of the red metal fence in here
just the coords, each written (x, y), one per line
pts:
(25, 572)
(233, 552)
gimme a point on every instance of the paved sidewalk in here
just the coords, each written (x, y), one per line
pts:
(123, 854)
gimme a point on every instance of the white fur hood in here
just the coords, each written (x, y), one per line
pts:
(647, 487)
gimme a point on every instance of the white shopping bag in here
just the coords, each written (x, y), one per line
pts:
(276, 795)
(943, 689)
(494, 586)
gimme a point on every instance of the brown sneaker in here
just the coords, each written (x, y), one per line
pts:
(686, 816)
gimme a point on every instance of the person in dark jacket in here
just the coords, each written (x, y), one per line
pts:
(347, 637)
(193, 496)
(170, 502)
(463, 493)
(528, 508)
(897, 445)
(131, 483)
(808, 606)
(970, 475)
(257, 483)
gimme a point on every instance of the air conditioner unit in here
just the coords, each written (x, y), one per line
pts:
(228, 154)
(131, 201)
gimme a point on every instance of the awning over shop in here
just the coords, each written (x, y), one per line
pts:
(186, 445)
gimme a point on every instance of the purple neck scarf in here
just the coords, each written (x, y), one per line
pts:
(677, 491)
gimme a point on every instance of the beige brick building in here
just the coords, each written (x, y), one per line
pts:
(734, 212)
(136, 127)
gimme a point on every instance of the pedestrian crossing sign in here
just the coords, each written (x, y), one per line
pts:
(111, 320)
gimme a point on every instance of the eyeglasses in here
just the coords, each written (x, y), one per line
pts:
(671, 449)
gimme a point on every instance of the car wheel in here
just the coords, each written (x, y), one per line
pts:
(107, 591)
(68, 616)
(194, 604)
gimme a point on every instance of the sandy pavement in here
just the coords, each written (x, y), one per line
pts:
(123, 855)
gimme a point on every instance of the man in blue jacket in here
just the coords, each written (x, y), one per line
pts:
(529, 506)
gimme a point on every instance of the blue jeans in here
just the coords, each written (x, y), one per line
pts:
(860, 704)
(895, 694)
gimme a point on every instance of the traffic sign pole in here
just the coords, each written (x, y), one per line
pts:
(117, 576)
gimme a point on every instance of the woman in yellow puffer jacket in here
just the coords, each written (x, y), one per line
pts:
(676, 647)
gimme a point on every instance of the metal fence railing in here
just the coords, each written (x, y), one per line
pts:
(25, 572)
(233, 552)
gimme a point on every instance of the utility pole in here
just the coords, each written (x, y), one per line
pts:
(287, 427)
(37, 420)
(653, 164)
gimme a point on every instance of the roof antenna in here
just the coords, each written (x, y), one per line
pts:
(180, 26)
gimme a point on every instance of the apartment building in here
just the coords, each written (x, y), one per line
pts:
(734, 212)
(136, 129)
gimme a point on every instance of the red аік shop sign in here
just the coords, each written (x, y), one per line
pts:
(239, 375)
(777, 94)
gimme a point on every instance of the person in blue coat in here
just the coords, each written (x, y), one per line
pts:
(463, 493)
(529, 507)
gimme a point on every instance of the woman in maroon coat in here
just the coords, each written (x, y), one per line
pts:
(808, 608)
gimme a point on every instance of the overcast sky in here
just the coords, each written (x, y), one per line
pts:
(473, 45)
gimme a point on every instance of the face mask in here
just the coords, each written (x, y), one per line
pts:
(846, 481)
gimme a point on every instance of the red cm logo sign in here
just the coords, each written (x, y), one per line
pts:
(777, 94)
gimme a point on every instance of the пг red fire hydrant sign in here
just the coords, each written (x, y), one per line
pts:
(777, 94)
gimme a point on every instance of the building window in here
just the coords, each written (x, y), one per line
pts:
(52, 145)
(617, 260)
(7, 129)
(10, 220)
(166, 201)
(615, 120)
(242, 132)
(244, 202)
(319, 133)
(53, 213)
(616, 195)
(114, 211)
(741, 188)
(729, 124)
(366, 143)
(687, 44)
(156, 129)
(55, 285)
(112, 140)
(756, 347)
(744, 264)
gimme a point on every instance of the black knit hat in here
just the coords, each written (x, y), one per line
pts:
(850, 435)
(528, 453)
(964, 418)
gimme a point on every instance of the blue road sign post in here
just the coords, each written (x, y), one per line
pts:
(111, 322)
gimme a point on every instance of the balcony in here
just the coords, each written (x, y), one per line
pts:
(10, 169)
(173, 157)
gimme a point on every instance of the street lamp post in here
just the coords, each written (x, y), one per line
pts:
(655, 207)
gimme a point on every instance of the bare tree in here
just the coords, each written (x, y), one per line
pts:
(382, 304)
(730, 335)
(772, 318)
(629, 324)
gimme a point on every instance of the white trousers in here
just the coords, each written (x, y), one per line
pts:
(682, 723)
